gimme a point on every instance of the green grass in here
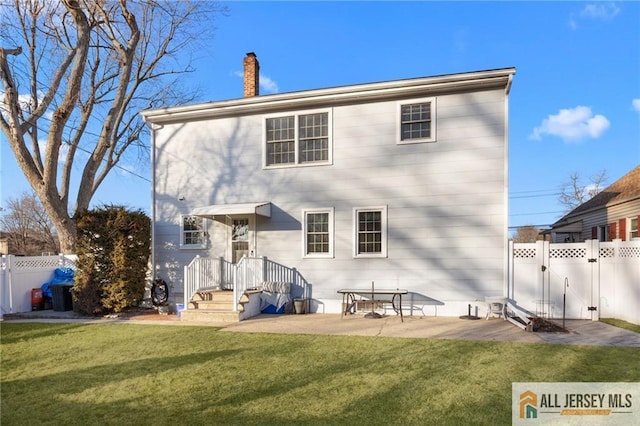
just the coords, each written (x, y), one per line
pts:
(116, 374)
(622, 324)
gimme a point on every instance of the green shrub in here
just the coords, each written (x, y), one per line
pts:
(113, 253)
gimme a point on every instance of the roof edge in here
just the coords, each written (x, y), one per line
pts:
(368, 91)
(575, 217)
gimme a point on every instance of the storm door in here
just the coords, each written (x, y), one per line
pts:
(239, 239)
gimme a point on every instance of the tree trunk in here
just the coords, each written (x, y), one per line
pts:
(67, 236)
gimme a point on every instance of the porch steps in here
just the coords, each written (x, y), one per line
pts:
(211, 306)
(218, 305)
(209, 315)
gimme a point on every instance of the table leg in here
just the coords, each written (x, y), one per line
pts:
(397, 309)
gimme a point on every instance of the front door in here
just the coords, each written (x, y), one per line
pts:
(239, 238)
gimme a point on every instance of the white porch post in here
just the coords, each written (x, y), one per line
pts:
(185, 293)
(222, 274)
(263, 270)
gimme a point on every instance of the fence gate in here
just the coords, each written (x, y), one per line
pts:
(555, 279)
(573, 281)
(592, 279)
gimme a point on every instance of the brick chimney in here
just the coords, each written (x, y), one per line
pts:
(251, 75)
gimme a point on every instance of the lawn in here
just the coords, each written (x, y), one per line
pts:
(116, 374)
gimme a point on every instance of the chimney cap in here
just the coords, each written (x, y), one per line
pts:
(251, 54)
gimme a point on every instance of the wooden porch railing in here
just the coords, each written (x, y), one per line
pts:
(249, 273)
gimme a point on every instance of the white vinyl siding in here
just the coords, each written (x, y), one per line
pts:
(435, 192)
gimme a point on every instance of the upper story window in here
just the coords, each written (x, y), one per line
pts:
(370, 225)
(318, 233)
(298, 139)
(417, 121)
(192, 232)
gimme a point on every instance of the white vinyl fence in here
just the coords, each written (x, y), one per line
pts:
(19, 275)
(589, 280)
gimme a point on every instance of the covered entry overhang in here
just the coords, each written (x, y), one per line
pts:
(260, 209)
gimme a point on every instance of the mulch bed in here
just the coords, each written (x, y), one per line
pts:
(541, 325)
(144, 314)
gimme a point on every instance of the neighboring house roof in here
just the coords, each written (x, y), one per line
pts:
(626, 188)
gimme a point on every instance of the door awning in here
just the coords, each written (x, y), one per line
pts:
(261, 209)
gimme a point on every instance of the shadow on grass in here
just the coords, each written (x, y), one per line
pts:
(35, 330)
(190, 375)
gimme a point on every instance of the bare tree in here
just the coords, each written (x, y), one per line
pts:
(576, 191)
(27, 226)
(526, 234)
(75, 74)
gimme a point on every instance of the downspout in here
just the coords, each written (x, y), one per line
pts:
(505, 268)
(153, 127)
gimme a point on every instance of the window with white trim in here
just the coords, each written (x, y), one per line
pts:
(417, 121)
(318, 233)
(301, 139)
(633, 228)
(370, 224)
(192, 232)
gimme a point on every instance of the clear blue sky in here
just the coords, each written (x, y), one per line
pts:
(574, 104)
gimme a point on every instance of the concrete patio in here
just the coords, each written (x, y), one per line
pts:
(581, 332)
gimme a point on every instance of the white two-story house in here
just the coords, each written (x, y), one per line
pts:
(400, 183)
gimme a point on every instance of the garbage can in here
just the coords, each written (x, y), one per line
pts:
(300, 305)
(61, 297)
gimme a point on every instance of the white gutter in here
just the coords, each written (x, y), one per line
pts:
(336, 95)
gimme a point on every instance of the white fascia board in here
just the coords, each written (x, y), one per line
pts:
(362, 92)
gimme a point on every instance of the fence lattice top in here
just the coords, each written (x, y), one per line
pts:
(35, 263)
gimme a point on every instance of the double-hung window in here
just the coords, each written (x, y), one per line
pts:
(301, 139)
(192, 232)
(318, 233)
(281, 141)
(633, 228)
(370, 226)
(417, 121)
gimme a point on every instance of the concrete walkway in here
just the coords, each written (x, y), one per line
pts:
(581, 332)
